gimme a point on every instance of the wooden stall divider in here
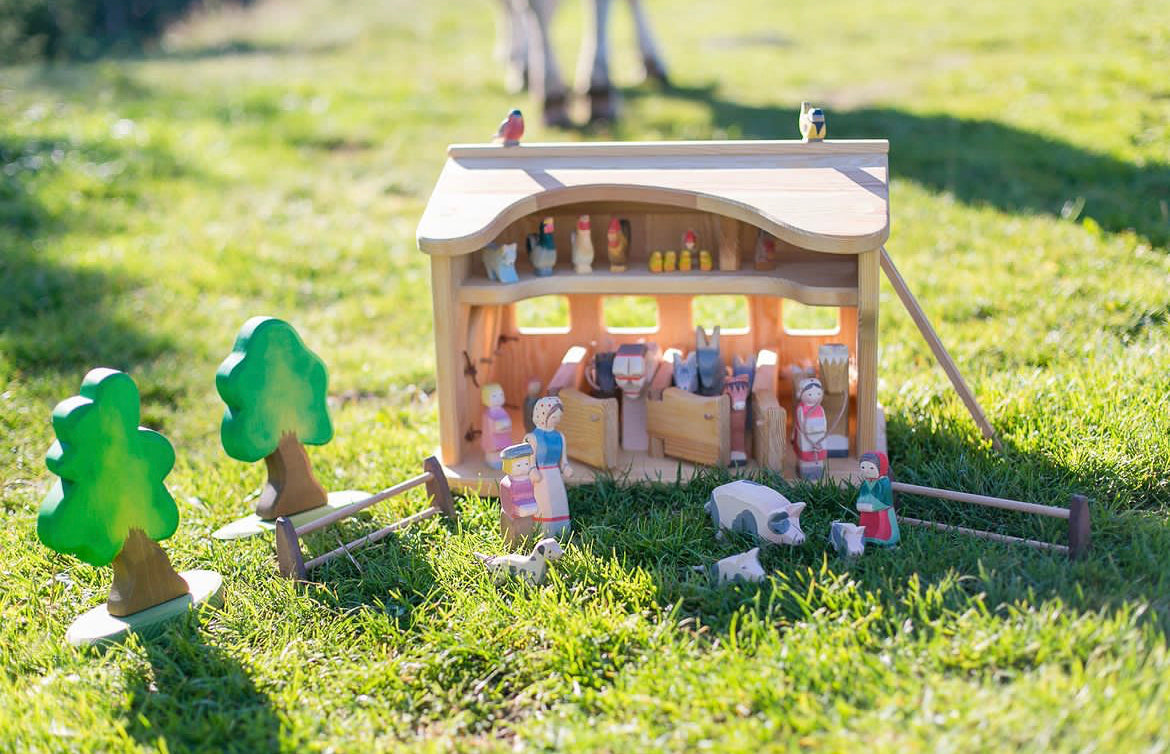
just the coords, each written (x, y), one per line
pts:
(290, 559)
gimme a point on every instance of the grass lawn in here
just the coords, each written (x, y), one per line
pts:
(276, 161)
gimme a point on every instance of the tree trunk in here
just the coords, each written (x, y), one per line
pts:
(143, 576)
(291, 486)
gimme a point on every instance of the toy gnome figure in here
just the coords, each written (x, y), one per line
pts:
(517, 498)
(552, 467)
(810, 429)
(875, 500)
(496, 433)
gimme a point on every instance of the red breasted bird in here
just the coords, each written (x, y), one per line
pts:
(511, 129)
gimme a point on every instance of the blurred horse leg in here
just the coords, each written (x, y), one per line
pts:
(593, 79)
(512, 44)
(651, 57)
(544, 77)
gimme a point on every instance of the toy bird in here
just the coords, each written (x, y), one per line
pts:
(811, 123)
(542, 249)
(511, 129)
(617, 244)
(531, 568)
(583, 247)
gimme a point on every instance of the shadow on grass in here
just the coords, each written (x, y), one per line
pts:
(979, 162)
(197, 697)
(54, 316)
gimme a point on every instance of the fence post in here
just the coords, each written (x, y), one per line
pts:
(1078, 527)
(289, 557)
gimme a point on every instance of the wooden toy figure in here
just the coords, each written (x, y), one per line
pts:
(711, 370)
(847, 539)
(552, 467)
(500, 262)
(670, 261)
(532, 568)
(811, 123)
(110, 505)
(655, 262)
(511, 129)
(496, 432)
(633, 369)
(542, 249)
(529, 403)
(583, 247)
(690, 243)
(517, 498)
(599, 374)
(686, 372)
(742, 567)
(875, 500)
(737, 389)
(617, 243)
(750, 507)
(275, 390)
(765, 254)
(706, 262)
(810, 429)
(833, 360)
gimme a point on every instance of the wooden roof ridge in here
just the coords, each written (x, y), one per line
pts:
(829, 196)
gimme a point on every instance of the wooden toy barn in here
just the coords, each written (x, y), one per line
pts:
(782, 220)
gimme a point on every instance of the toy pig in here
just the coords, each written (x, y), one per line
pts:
(743, 567)
(847, 539)
(496, 433)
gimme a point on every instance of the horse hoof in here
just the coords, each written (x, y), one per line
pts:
(655, 71)
(556, 113)
(602, 104)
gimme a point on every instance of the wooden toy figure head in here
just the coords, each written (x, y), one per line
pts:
(517, 460)
(737, 388)
(547, 412)
(686, 372)
(811, 392)
(874, 465)
(492, 395)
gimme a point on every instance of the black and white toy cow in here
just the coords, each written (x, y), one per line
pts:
(758, 510)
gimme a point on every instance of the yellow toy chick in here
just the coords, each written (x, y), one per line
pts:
(655, 261)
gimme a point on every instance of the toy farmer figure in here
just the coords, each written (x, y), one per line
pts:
(875, 500)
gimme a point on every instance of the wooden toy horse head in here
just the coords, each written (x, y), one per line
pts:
(709, 360)
(686, 372)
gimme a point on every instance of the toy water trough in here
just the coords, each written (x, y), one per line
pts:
(290, 558)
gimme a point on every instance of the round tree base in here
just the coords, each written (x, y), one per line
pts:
(97, 626)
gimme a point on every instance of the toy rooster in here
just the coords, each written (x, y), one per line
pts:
(583, 247)
(511, 129)
(811, 123)
(618, 244)
(542, 250)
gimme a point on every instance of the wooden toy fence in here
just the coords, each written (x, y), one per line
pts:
(1077, 515)
(291, 560)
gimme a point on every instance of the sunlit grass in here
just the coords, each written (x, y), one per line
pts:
(275, 160)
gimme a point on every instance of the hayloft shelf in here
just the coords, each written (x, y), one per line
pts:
(834, 284)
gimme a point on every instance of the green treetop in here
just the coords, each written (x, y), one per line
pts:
(111, 473)
(272, 385)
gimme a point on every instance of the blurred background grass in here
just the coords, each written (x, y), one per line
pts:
(275, 159)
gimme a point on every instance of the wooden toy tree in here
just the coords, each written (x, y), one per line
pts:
(110, 506)
(275, 390)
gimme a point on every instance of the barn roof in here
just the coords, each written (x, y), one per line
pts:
(830, 196)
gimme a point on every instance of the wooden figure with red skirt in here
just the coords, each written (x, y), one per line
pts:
(875, 500)
(810, 429)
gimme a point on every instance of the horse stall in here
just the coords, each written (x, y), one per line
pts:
(779, 221)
